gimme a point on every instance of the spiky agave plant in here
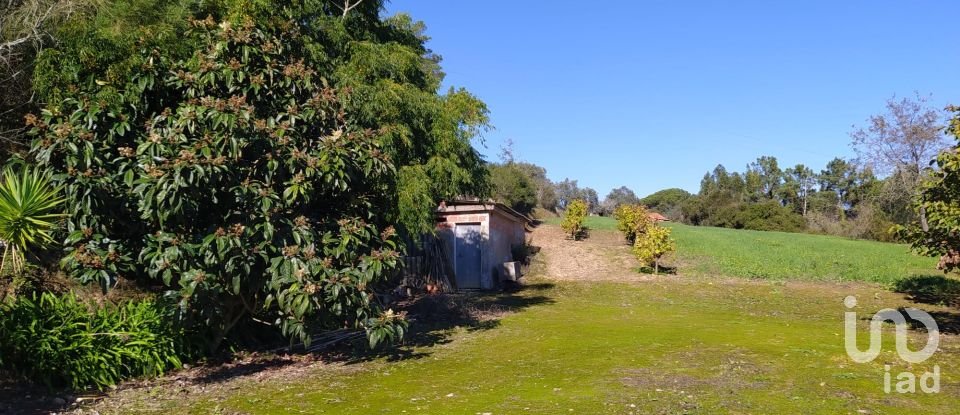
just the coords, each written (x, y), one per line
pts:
(29, 211)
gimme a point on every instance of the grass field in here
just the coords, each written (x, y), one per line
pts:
(650, 345)
(778, 255)
(619, 348)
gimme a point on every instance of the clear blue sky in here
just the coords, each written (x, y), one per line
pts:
(652, 94)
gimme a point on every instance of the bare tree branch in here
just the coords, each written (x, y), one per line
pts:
(346, 7)
(902, 141)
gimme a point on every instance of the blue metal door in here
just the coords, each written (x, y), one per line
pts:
(467, 254)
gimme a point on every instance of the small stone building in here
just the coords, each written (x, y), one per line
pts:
(479, 237)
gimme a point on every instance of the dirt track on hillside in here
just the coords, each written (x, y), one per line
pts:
(603, 256)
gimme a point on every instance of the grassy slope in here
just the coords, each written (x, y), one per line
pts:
(670, 345)
(779, 255)
(667, 346)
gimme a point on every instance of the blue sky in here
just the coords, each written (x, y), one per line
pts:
(652, 94)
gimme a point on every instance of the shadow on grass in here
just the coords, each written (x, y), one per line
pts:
(938, 290)
(664, 270)
(947, 322)
(931, 289)
(225, 372)
(434, 318)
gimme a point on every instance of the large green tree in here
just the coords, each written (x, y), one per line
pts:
(763, 178)
(798, 183)
(511, 186)
(849, 184)
(667, 201)
(251, 155)
(384, 62)
(546, 192)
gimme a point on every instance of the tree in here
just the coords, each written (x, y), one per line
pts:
(799, 182)
(905, 137)
(513, 187)
(26, 28)
(593, 200)
(567, 191)
(653, 246)
(573, 217)
(939, 197)
(667, 201)
(546, 194)
(617, 197)
(895, 197)
(846, 182)
(426, 129)
(763, 178)
(632, 221)
(236, 176)
(721, 196)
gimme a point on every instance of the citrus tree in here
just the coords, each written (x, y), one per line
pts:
(653, 245)
(573, 217)
(632, 220)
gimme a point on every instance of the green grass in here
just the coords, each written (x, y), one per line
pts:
(668, 345)
(779, 255)
(659, 347)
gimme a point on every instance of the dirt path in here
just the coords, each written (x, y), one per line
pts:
(603, 256)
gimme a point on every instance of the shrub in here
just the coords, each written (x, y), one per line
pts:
(573, 217)
(238, 182)
(28, 214)
(632, 220)
(768, 216)
(867, 223)
(653, 245)
(760, 216)
(62, 341)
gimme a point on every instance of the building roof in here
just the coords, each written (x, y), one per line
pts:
(468, 206)
(656, 217)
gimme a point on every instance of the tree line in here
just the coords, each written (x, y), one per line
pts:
(863, 197)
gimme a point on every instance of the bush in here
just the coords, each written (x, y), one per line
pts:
(768, 216)
(62, 341)
(573, 217)
(238, 182)
(29, 212)
(867, 223)
(632, 220)
(653, 245)
(760, 216)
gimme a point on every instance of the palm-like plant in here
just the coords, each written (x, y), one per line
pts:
(28, 213)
